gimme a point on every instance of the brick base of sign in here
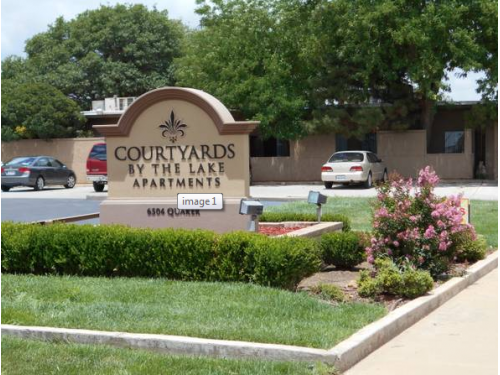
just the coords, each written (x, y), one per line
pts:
(163, 213)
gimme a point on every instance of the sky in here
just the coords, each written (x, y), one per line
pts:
(23, 19)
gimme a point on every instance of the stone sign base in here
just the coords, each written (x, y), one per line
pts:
(163, 213)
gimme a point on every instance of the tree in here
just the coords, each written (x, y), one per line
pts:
(37, 110)
(398, 54)
(250, 54)
(124, 50)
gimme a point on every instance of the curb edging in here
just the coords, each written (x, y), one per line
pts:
(370, 338)
(171, 344)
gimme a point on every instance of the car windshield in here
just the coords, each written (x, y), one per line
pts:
(341, 157)
(98, 152)
(21, 161)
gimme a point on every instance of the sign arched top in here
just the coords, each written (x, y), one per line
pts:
(219, 114)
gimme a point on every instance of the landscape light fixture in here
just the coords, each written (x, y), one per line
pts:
(254, 209)
(315, 197)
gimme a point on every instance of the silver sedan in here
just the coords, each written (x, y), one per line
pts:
(347, 167)
(36, 172)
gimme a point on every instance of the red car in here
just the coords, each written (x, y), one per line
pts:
(97, 169)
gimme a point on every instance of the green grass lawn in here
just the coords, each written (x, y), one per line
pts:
(200, 309)
(26, 357)
(484, 214)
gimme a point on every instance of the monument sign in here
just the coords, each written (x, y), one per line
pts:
(173, 141)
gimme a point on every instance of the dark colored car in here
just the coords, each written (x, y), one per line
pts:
(36, 172)
(97, 167)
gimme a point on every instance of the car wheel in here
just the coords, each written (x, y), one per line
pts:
(71, 182)
(369, 181)
(40, 183)
(98, 187)
(328, 185)
(5, 188)
(385, 178)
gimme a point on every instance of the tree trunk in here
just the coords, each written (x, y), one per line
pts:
(427, 118)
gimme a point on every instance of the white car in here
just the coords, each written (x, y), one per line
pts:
(347, 167)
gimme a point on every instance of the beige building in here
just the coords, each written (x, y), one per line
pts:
(454, 151)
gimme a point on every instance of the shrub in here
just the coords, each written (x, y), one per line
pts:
(281, 262)
(368, 287)
(342, 249)
(415, 283)
(113, 250)
(388, 279)
(329, 292)
(272, 217)
(469, 247)
(415, 230)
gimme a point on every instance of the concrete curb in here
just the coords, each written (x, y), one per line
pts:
(343, 356)
(362, 343)
(171, 344)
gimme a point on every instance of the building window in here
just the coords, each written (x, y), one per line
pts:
(269, 147)
(454, 142)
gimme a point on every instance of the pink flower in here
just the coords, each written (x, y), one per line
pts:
(396, 243)
(382, 212)
(430, 232)
(442, 246)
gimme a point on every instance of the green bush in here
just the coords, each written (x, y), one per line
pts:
(466, 248)
(342, 249)
(272, 217)
(329, 292)
(389, 279)
(415, 283)
(368, 287)
(112, 250)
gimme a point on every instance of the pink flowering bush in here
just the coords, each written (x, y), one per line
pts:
(416, 230)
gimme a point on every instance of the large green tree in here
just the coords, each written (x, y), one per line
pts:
(122, 50)
(37, 110)
(251, 54)
(396, 53)
(348, 66)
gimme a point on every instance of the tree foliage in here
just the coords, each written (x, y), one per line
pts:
(37, 110)
(123, 50)
(251, 54)
(346, 66)
(397, 53)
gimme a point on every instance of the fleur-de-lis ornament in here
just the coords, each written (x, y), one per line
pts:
(173, 128)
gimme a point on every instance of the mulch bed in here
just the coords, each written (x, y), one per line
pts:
(278, 230)
(345, 279)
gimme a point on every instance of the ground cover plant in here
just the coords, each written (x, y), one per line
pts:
(28, 357)
(232, 311)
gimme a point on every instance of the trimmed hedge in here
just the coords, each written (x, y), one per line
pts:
(343, 249)
(272, 217)
(113, 250)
